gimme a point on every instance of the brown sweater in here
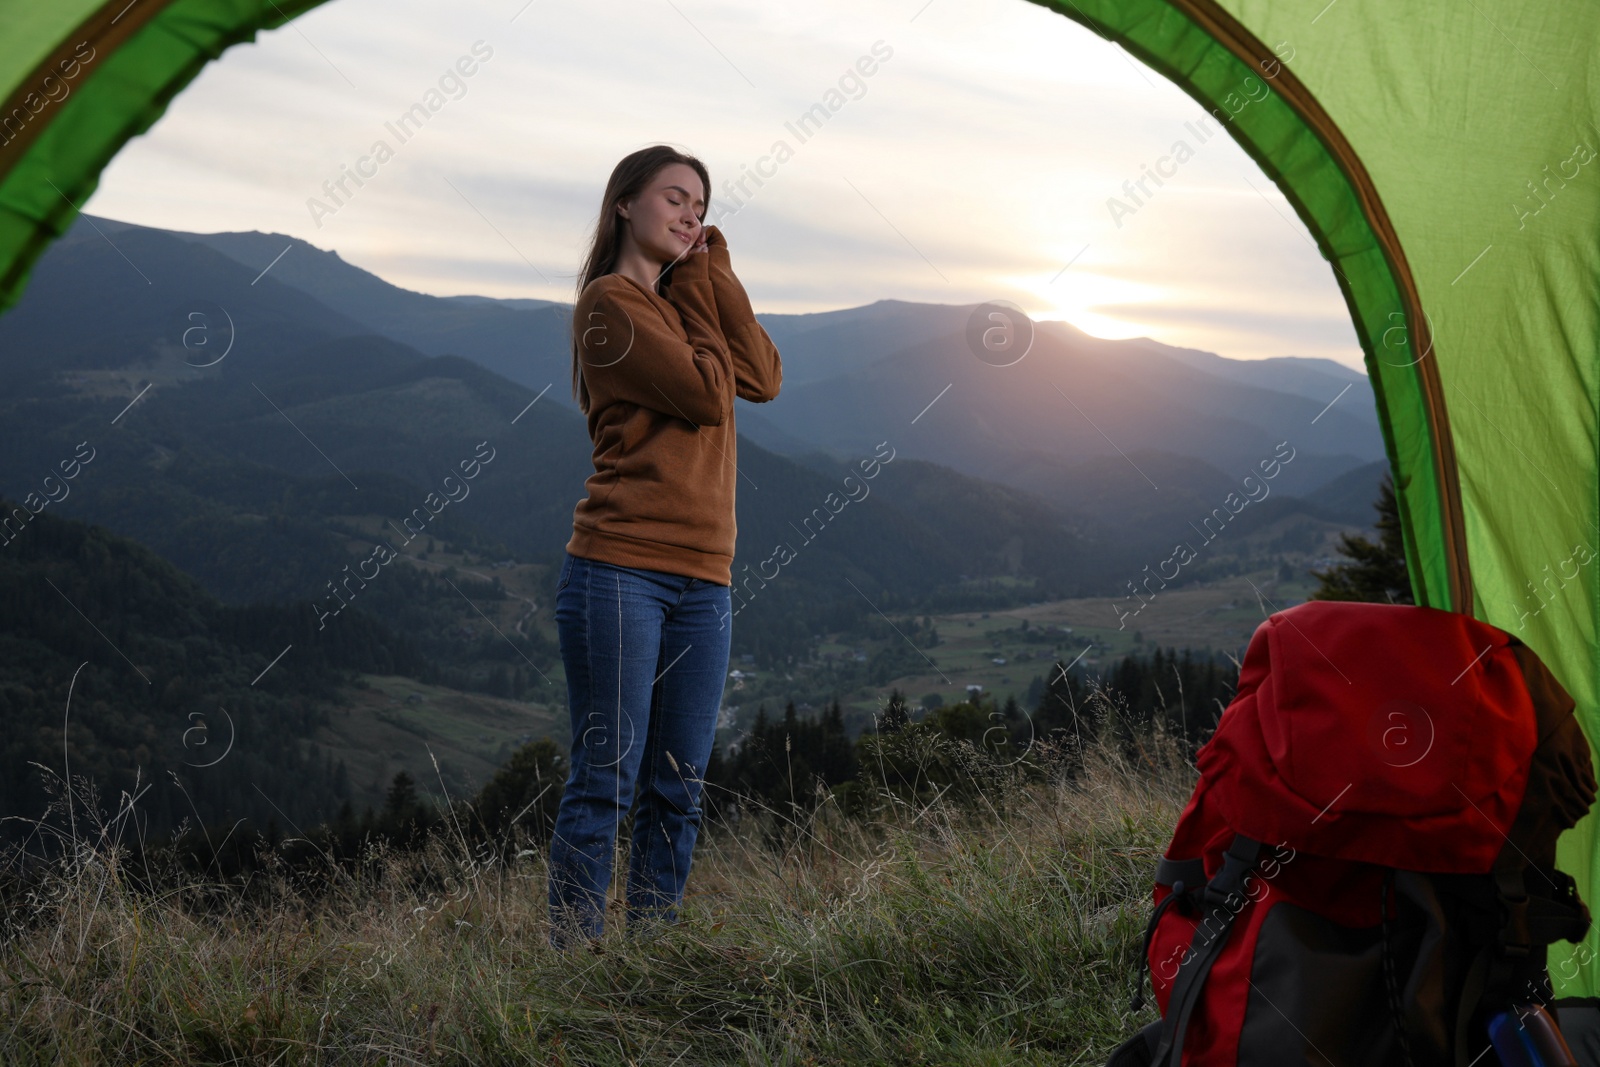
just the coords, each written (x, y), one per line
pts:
(662, 373)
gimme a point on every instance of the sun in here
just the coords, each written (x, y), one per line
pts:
(1094, 302)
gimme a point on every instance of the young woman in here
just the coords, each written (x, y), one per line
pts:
(663, 340)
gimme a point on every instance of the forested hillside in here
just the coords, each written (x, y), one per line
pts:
(176, 699)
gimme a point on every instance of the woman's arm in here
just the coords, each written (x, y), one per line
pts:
(757, 368)
(630, 352)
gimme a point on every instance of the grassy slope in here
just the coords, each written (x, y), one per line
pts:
(1221, 614)
(400, 724)
(1005, 935)
(397, 723)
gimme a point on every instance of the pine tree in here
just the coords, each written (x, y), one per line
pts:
(525, 791)
(401, 807)
(894, 715)
(837, 762)
(1066, 712)
(1377, 571)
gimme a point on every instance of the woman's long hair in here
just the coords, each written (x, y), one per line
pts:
(628, 179)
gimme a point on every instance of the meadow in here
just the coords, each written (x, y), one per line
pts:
(993, 925)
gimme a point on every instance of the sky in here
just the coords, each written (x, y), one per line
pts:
(982, 158)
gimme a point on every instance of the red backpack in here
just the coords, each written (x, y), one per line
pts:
(1365, 873)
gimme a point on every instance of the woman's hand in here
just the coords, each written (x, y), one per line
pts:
(708, 236)
(698, 245)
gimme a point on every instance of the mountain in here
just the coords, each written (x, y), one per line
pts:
(1070, 421)
(1352, 497)
(528, 342)
(120, 668)
(1062, 424)
(841, 352)
(260, 426)
(525, 341)
(268, 473)
(830, 344)
(1125, 441)
(1316, 379)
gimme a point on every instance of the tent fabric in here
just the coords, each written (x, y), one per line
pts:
(78, 80)
(1443, 160)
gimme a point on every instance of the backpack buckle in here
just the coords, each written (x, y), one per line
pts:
(1227, 888)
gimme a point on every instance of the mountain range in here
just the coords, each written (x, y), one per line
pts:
(263, 413)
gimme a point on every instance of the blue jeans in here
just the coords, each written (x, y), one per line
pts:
(646, 656)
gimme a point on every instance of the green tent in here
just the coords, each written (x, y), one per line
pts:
(1443, 157)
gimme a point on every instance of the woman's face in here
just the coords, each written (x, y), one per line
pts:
(665, 218)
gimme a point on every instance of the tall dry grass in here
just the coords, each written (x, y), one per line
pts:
(1000, 930)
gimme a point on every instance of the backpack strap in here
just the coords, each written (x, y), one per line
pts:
(1222, 900)
(1529, 919)
(1185, 877)
(1559, 915)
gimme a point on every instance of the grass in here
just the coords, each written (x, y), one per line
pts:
(1003, 931)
